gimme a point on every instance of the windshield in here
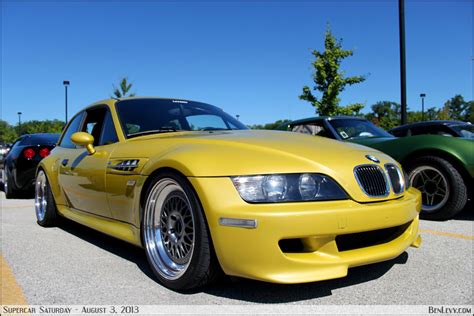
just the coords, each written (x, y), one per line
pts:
(465, 130)
(149, 116)
(352, 129)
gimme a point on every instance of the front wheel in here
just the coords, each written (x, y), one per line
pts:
(442, 187)
(176, 238)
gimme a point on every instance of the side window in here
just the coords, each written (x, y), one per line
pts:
(71, 129)
(399, 133)
(419, 130)
(109, 135)
(315, 129)
(93, 123)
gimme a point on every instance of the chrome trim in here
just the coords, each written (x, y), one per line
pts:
(126, 165)
(387, 185)
(401, 177)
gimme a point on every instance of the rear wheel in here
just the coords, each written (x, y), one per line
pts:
(10, 192)
(46, 213)
(175, 235)
(443, 190)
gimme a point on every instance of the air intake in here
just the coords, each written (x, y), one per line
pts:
(396, 178)
(126, 165)
(372, 180)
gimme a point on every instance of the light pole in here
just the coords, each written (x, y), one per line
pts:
(66, 83)
(19, 123)
(237, 116)
(422, 96)
(403, 85)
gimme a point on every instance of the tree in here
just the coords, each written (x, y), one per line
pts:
(469, 115)
(329, 80)
(270, 126)
(457, 107)
(123, 89)
(8, 133)
(385, 114)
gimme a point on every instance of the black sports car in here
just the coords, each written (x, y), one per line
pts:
(444, 128)
(19, 165)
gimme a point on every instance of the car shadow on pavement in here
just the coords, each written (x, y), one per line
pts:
(262, 292)
(238, 288)
(28, 195)
(467, 214)
(113, 245)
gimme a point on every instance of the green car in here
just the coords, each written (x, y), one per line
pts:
(442, 168)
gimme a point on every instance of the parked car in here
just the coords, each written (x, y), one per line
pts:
(442, 168)
(444, 128)
(203, 194)
(19, 165)
(4, 149)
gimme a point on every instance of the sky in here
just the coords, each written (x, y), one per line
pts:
(251, 58)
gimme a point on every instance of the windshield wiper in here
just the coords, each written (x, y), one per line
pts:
(154, 131)
(214, 129)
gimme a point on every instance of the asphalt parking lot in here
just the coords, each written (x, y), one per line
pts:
(72, 264)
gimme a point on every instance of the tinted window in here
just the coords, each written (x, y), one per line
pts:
(466, 130)
(431, 129)
(399, 132)
(109, 136)
(144, 116)
(93, 123)
(71, 129)
(43, 139)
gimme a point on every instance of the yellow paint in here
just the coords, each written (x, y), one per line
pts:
(12, 294)
(84, 139)
(255, 253)
(110, 199)
(434, 232)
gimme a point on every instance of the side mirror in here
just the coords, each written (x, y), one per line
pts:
(84, 139)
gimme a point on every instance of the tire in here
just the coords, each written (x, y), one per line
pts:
(45, 207)
(178, 245)
(10, 192)
(444, 193)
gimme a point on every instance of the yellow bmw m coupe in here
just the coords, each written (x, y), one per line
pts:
(203, 195)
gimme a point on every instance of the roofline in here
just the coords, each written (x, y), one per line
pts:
(329, 118)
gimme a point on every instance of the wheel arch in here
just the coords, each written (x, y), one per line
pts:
(451, 158)
(148, 182)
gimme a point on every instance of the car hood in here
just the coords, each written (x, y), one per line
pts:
(249, 152)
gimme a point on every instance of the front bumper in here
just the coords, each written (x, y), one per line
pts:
(261, 254)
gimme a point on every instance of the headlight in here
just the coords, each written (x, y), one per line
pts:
(288, 188)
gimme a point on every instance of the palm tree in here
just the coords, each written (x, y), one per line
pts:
(123, 89)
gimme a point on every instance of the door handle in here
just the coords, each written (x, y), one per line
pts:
(64, 162)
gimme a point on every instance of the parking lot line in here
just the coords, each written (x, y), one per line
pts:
(434, 232)
(12, 294)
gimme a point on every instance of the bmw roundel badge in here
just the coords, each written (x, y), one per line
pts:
(372, 158)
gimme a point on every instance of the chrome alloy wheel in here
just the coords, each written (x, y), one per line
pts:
(40, 195)
(433, 186)
(169, 229)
